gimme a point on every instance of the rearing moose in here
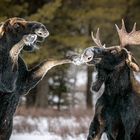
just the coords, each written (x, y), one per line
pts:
(117, 111)
(17, 34)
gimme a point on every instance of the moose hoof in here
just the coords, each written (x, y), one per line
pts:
(29, 39)
(90, 138)
(95, 87)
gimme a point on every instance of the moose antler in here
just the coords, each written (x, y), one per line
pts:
(97, 39)
(99, 44)
(132, 38)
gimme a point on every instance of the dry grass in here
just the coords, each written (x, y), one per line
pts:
(36, 112)
(75, 121)
(24, 127)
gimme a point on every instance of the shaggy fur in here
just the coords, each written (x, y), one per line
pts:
(15, 79)
(14, 76)
(117, 111)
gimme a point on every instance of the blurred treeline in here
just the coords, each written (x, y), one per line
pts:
(70, 23)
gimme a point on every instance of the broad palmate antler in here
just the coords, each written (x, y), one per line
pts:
(132, 38)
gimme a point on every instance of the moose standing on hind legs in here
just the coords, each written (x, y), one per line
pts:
(17, 34)
(117, 111)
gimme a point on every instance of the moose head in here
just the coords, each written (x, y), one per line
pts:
(13, 30)
(114, 56)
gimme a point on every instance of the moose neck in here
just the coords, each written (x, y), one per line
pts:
(7, 43)
(118, 82)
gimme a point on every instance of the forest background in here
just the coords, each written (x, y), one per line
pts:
(70, 23)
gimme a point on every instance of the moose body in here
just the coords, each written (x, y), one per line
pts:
(117, 111)
(17, 34)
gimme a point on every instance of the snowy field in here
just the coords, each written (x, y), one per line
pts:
(45, 137)
(57, 128)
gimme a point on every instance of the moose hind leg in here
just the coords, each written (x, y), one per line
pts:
(94, 129)
(6, 133)
(136, 135)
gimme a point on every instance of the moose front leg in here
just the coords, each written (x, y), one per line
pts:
(16, 49)
(10, 71)
(96, 85)
(35, 75)
(100, 79)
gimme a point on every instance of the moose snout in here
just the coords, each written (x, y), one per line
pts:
(39, 29)
(87, 55)
(91, 54)
(42, 32)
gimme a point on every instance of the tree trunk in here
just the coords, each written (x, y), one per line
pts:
(30, 98)
(88, 93)
(42, 93)
(89, 103)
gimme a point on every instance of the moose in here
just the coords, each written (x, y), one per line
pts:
(17, 34)
(117, 111)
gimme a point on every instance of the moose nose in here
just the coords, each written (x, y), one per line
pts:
(89, 58)
(42, 32)
(87, 55)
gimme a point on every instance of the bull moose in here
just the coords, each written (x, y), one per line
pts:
(117, 111)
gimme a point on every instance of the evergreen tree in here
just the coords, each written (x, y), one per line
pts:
(70, 23)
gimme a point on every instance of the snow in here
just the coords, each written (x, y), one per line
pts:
(45, 137)
(35, 137)
(81, 78)
(50, 128)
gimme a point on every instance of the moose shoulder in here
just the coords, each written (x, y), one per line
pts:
(117, 111)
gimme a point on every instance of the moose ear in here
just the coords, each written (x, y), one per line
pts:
(4, 26)
(133, 65)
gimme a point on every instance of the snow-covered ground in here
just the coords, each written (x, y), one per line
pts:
(52, 128)
(45, 137)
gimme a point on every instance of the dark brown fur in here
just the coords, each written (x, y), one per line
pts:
(117, 111)
(14, 75)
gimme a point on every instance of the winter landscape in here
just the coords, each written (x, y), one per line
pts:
(58, 103)
(58, 128)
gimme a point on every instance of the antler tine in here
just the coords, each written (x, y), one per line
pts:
(134, 28)
(117, 28)
(98, 34)
(123, 26)
(97, 39)
(131, 38)
(122, 34)
(93, 38)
